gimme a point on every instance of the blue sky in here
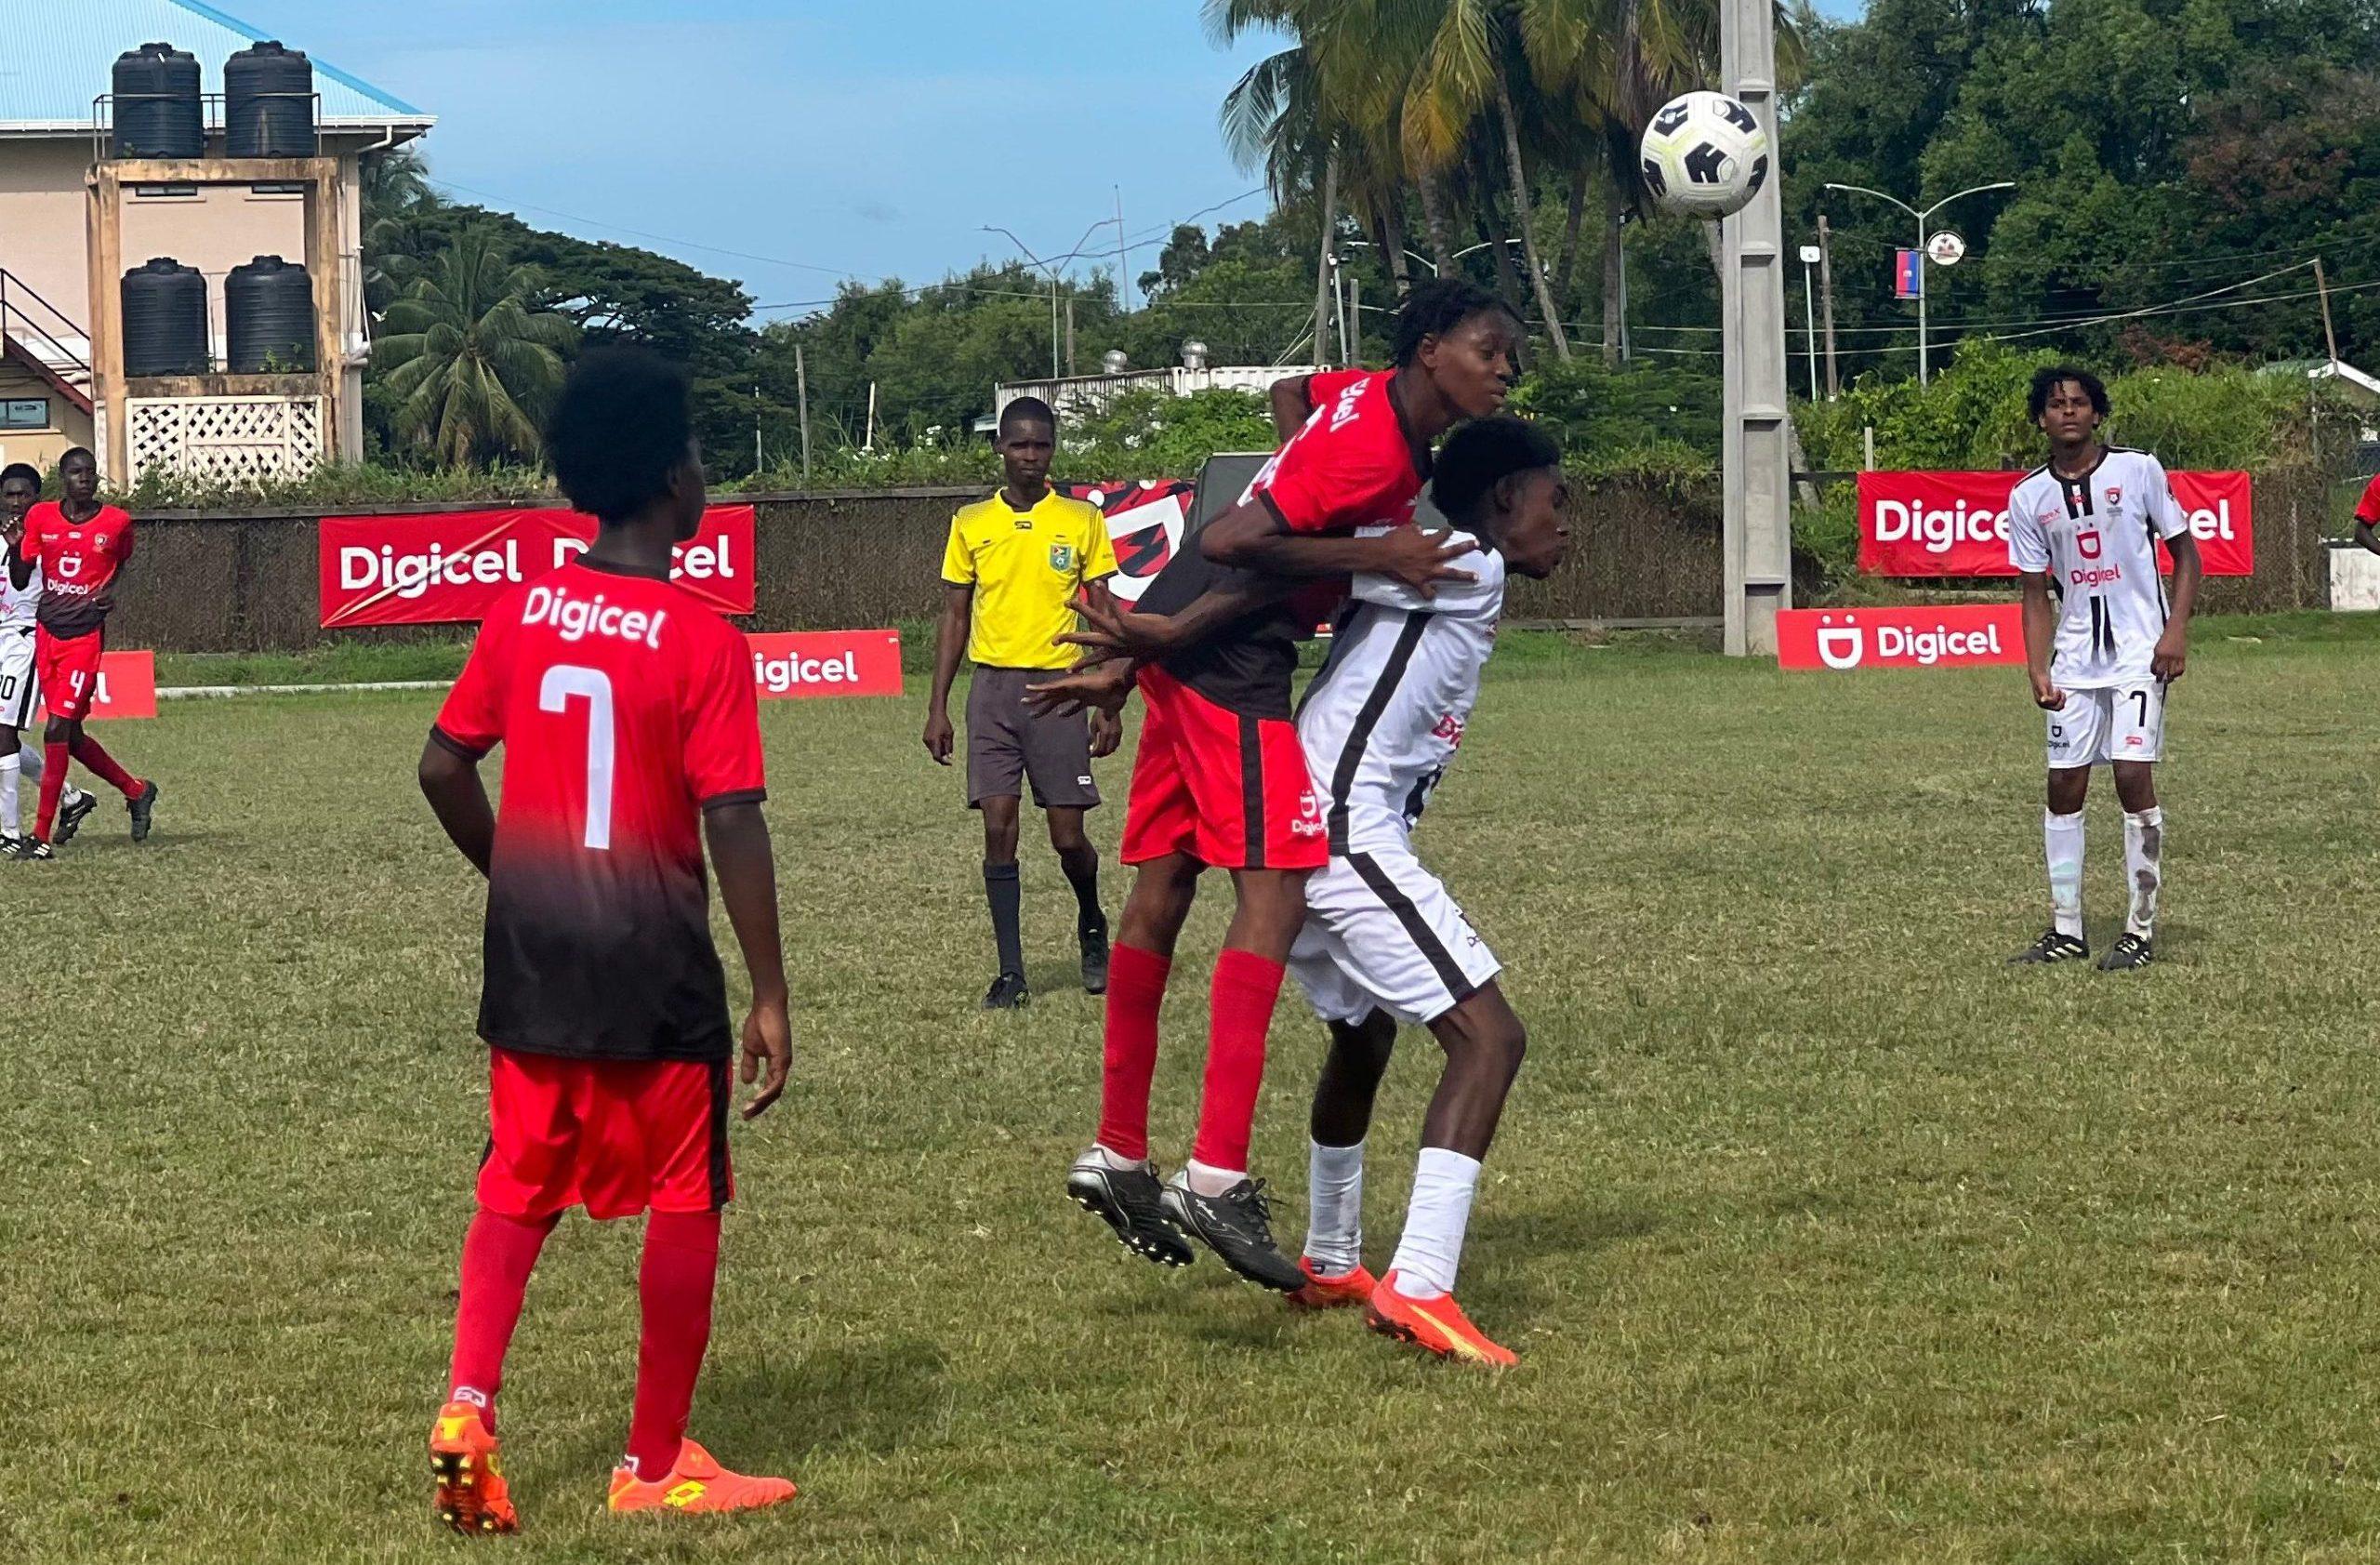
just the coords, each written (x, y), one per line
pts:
(850, 137)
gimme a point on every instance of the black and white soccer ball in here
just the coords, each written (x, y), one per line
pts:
(1705, 155)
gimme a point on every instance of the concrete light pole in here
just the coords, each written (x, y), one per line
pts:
(1757, 542)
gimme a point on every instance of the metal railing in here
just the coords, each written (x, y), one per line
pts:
(213, 115)
(46, 330)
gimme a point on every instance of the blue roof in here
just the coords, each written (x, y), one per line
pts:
(61, 51)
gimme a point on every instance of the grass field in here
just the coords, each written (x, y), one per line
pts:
(1824, 1237)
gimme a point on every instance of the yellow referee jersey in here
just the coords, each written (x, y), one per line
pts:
(1025, 567)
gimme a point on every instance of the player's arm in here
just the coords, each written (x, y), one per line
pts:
(746, 868)
(2189, 569)
(1292, 405)
(2041, 639)
(1107, 723)
(950, 639)
(20, 559)
(1254, 536)
(450, 780)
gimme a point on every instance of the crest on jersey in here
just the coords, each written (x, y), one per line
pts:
(1062, 557)
(2115, 495)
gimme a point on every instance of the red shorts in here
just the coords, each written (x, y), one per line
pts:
(618, 1137)
(1230, 791)
(68, 671)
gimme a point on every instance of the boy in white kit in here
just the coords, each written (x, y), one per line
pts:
(19, 689)
(2083, 528)
(1384, 943)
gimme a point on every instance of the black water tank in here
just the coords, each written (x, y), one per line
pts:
(268, 103)
(157, 110)
(269, 311)
(165, 319)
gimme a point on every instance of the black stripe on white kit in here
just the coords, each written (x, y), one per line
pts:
(1351, 755)
(1458, 983)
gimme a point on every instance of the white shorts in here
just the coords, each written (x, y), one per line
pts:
(2123, 722)
(19, 685)
(1381, 934)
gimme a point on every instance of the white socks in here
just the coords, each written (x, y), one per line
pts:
(1334, 1234)
(2144, 870)
(1432, 1248)
(2062, 837)
(12, 767)
(1206, 1181)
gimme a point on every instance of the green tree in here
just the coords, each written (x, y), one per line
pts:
(471, 365)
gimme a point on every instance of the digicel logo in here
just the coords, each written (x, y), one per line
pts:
(702, 561)
(412, 575)
(2206, 525)
(1921, 638)
(778, 675)
(1939, 531)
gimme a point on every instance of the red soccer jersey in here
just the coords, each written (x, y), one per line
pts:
(626, 708)
(78, 562)
(2368, 509)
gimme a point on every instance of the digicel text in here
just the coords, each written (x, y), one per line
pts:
(693, 562)
(1939, 531)
(1929, 647)
(412, 575)
(781, 674)
(579, 617)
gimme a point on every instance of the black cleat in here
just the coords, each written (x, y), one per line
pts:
(71, 815)
(1237, 1226)
(143, 806)
(1008, 993)
(1131, 1202)
(2130, 952)
(1094, 960)
(2052, 947)
(29, 850)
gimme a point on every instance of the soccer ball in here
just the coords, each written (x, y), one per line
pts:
(1705, 155)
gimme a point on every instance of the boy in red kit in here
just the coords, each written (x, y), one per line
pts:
(79, 546)
(1220, 780)
(630, 729)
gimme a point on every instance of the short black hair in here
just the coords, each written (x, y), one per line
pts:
(623, 424)
(25, 471)
(73, 451)
(1483, 452)
(2047, 380)
(1435, 309)
(1023, 408)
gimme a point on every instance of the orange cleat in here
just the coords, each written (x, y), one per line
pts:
(696, 1484)
(1332, 1292)
(473, 1497)
(1438, 1324)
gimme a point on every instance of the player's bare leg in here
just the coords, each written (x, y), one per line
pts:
(2067, 788)
(1340, 1118)
(1002, 890)
(1080, 861)
(2144, 867)
(1484, 1043)
(1114, 1178)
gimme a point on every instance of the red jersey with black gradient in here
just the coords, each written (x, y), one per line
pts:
(626, 708)
(1356, 463)
(78, 562)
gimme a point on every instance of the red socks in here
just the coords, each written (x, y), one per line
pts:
(499, 1254)
(1135, 990)
(102, 765)
(1246, 986)
(674, 1287)
(54, 761)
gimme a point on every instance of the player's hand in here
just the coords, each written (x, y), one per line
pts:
(2047, 697)
(939, 736)
(1098, 687)
(1113, 630)
(1422, 560)
(1106, 732)
(2172, 652)
(768, 1054)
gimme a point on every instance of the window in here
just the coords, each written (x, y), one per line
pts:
(276, 193)
(166, 193)
(25, 413)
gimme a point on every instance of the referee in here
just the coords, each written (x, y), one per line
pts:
(1014, 566)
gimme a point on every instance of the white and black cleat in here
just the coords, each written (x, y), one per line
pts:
(1237, 1226)
(2052, 947)
(71, 812)
(2130, 953)
(1131, 1201)
(29, 850)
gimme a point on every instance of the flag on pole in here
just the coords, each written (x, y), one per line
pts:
(1907, 282)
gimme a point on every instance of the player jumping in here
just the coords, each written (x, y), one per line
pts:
(631, 731)
(19, 685)
(2085, 527)
(1383, 942)
(1220, 781)
(80, 547)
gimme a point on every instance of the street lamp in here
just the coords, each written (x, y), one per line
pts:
(1921, 217)
(1810, 316)
(1052, 267)
(1415, 255)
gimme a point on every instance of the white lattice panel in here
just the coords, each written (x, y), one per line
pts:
(225, 438)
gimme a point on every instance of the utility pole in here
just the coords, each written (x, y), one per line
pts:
(757, 462)
(1756, 546)
(1322, 268)
(1070, 334)
(1356, 320)
(1123, 278)
(801, 390)
(1826, 288)
(2323, 286)
(1921, 218)
(871, 418)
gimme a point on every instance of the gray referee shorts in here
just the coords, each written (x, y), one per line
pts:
(1009, 743)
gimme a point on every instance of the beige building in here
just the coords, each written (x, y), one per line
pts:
(62, 242)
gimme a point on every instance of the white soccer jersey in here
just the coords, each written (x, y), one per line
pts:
(17, 607)
(2096, 538)
(1382, 719)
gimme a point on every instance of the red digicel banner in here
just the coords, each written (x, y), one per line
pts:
(128, 686)
(445, 567)
(792, 664)
(1960, 636)
(1956, 523)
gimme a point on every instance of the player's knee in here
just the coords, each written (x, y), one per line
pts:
(1507, 1045)
(1068, 838)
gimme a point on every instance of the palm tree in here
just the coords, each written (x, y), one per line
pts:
(473, 366)
(396, 195)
